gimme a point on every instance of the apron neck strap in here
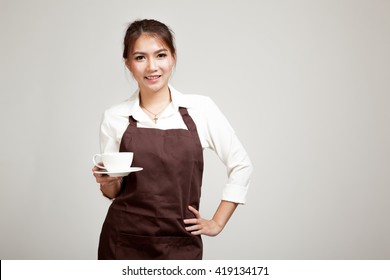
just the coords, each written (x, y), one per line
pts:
(132, 121)
(187, 119)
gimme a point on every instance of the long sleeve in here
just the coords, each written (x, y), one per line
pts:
(222, 139)
(111, 131)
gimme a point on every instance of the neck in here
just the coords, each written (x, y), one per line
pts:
(155, 99)
(154, 103)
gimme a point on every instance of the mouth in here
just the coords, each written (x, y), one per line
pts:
(153, 77)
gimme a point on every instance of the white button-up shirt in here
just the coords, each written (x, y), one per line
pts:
(214, 132)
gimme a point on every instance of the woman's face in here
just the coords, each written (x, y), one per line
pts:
(151, 63)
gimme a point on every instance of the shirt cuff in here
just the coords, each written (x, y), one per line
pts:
(235, 193)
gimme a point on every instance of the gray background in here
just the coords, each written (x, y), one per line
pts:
(304, 83)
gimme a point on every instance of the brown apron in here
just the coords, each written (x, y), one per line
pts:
(145, 221)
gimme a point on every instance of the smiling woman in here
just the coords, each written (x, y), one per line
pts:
(151, 64)
(155, 214)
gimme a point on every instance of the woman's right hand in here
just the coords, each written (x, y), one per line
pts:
(110, 186)
(103, 178)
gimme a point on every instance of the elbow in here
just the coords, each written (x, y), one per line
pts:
(244, 167)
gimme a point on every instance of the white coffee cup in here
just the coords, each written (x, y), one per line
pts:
(114, 161)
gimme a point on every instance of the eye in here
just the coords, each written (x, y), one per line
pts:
(162, 55)
(139, 57)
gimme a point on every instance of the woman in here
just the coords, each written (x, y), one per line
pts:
(155, 212)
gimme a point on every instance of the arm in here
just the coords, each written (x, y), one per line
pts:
(212, 227)
(221, 138)
(109, 186)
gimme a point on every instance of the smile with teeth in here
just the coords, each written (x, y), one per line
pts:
(154, 77)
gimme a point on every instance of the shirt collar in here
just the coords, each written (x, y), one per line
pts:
(131, 106)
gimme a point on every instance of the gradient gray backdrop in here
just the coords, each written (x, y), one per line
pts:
(305, 84)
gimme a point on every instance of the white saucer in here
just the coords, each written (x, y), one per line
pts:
(119, 173)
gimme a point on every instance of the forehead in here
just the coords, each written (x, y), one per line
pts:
(149, 43)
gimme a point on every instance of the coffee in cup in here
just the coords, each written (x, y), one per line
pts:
(114, 161)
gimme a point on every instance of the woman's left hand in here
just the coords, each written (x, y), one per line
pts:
(198, 225)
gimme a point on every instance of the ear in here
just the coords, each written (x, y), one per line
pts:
(174, 61)
(127, 63)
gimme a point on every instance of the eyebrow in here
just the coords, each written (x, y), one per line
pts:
(143, 53)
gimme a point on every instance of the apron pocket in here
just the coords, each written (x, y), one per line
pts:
(139, 247)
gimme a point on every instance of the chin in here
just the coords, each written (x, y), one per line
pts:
(157, 87)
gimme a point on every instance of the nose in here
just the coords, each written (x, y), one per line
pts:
(152, 65)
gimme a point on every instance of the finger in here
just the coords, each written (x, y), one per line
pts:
(106, 179)
(198, 232)
(194, 228)
(101, 178)
(193, 210)
(95, 168)
(191, 221)
(97, 175)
